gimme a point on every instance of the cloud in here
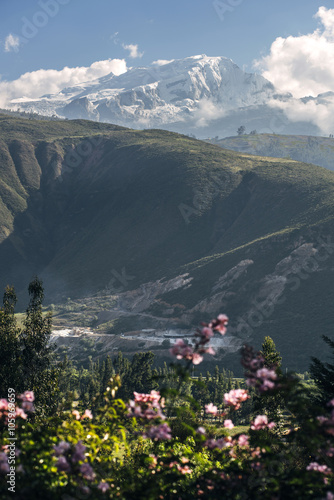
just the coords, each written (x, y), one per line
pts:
(50, 81)
(207, 110)
(12, 43)
(162, 62)
(303, 65)
(319, 111)
(133, 50)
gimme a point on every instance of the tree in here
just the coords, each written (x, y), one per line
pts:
(271, 405)
(323, 375)
(40, 373)
(253, 132)
(9, 345)
(241, 130)
(272, 358)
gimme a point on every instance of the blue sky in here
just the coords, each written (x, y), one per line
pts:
(81, 32)
(47, 45)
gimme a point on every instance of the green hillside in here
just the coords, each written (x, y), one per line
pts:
(308, 149)
(99, 210)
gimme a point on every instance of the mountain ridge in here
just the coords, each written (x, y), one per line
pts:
(199, 94)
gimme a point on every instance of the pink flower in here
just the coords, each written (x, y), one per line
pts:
(265, 374)
(261, 422)
(314, 466)
(20, 413)
(87, 414)
(219, 324)
(103, 487)
(243, 440)
(28, 406)
(330, 496)
(76, 414)
(28, 396)
(235, 397)
(211, 409)
(197, 358)
(185, 469)
(160, 432)
(3, 404)
(330, 403)
(201, 431)
(228, 424)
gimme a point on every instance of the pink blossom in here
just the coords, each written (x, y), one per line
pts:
(243, 440)
(330, 403)
(211, 409)
(87, 414)
(27, 396)
(197, 358)
(184, 469)
(3, 404)
(219, 324)
(314, 466)
(76, 414)
(206, 334)
(235, 397)
(261, 422)
(103, 487)
(28, 406)
(330, 496)
(160, 432)
(20, 413)
(228, 424)
(219, 443)
(265, 373)
(201, 431)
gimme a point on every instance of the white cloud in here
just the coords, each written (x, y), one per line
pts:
(162, 62)
(51, 81)
(133, 50)
(207, 110)
(12, 43)
(303, 65)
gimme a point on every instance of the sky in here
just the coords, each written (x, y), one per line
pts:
(46, 45)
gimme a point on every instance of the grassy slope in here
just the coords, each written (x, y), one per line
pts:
(316, 150)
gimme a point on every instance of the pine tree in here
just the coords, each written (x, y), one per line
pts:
(10, 352)
(40, 374)
(323, 375)
(272, 358)
(271, 405)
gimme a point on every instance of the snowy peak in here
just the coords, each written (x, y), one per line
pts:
(185, 95)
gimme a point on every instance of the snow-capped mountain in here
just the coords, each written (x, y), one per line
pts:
(199, 94)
